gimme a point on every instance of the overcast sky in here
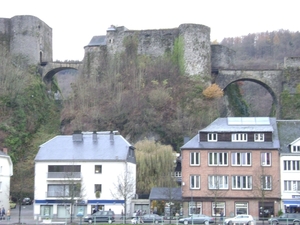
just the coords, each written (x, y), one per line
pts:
(75, 22)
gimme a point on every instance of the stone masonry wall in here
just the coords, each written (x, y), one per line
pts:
(30, 38)
(4, 35)
(222, 57)
(197, 52)
(155, 43)
(292, 62)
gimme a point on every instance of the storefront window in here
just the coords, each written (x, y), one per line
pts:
(96, 208)
(46, 211)
(218, 208)
(266, 209)
(241, 208)
(195, 208)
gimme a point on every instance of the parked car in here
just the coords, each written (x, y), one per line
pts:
(101, 216)
(286, 218)
(147, 218)
(197, 219)
(26, 201)
(242, 218)
(12, 205)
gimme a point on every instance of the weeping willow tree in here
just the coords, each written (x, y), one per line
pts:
(155, 165)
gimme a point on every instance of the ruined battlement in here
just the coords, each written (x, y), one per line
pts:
(154, 43)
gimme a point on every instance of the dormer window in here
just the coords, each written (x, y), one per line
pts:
(295, 148)
(259, 137)
(212, 137)
(239, 137)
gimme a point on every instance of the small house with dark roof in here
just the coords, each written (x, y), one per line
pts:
(172, 198)
(232, 166)
(289, 136)
(82, 172)
(6, 171)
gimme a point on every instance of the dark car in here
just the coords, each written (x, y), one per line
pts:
(26, 201)
(197, 219)
(286, 218)
(101, 216)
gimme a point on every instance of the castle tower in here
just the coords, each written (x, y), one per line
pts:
(197, 51)
(30, 39)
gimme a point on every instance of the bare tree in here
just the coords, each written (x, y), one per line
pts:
(217, 189)
(124, 189)
(71, 189)
(265, 188)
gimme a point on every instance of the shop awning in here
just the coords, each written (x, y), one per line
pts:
(292, 202)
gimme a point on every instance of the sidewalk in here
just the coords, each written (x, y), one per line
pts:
(25, 216)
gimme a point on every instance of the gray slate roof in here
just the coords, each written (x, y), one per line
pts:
(221, 125)
(165, 193)
(63, 148)
(98, 40)
(288, 131)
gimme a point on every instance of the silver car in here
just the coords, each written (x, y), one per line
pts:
(197, 219)
(242, 218)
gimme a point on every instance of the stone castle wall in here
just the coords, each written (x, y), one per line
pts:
(4, 36)
(292, 62)
(222, 57)
(28, 38)
(155, 43)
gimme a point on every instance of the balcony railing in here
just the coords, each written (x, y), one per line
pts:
(58, 194)
(63, 175)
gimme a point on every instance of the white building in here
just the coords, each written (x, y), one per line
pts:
(80, 172)
(289, 136)
(6, 171)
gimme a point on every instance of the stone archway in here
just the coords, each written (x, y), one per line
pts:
(271, 80)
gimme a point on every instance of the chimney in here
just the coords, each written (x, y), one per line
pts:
(111, 136)
(77, 136)
(5, 150)
(94, 136)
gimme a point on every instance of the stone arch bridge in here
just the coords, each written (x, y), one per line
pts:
(272, 80)
(49, 69)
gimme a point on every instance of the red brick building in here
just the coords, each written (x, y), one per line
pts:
(232, 165)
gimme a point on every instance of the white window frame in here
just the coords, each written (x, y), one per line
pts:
(195, 181)
(241, 182)
(212, 137)
(241, 159)
(194, 158)
(218, 182)
(295, 148)
(218, 158)
(291, 165)
(177, 174)
(266, 158)
(291, 186)
(259, 137)
(266, 182)
(241, 205)
(239, 137)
